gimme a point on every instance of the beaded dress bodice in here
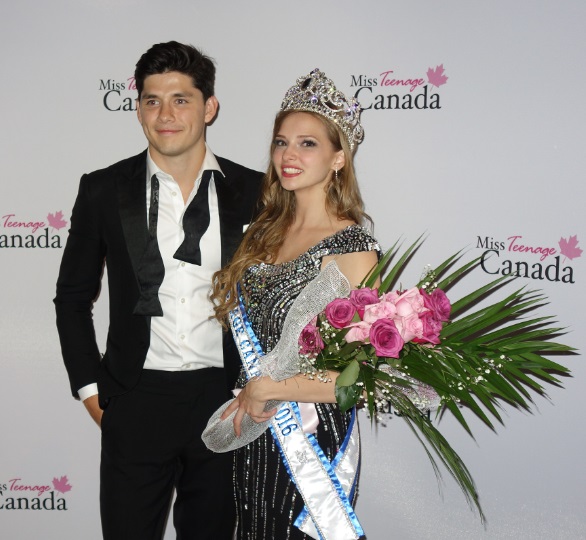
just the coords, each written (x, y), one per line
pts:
(270, 289)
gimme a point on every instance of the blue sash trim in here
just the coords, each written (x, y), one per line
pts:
(342, 451)
(331, 472)
(255, 342)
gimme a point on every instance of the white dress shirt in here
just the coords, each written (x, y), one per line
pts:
(184, 338)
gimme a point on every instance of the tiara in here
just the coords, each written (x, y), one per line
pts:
(316, 93)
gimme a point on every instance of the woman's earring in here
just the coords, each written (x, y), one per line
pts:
(336, 175)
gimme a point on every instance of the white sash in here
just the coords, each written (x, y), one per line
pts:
(325, 487)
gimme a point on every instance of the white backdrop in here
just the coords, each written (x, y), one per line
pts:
(497, 153)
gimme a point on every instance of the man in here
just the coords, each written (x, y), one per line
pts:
(162, 223)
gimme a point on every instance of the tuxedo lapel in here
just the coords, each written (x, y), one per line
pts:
(231, 221)
(238, 190)
(131, 191)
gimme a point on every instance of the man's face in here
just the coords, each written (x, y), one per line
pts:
(173, 116)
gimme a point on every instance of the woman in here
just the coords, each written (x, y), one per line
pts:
(311, 214)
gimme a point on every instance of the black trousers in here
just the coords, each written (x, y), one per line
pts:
(151, 443)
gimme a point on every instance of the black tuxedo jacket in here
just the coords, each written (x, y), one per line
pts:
(109, 227)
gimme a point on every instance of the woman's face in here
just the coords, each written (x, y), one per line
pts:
(303, 156)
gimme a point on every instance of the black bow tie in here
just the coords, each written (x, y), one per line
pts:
(196, 221)
(151, 270)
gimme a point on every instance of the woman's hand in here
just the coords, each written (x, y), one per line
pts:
(253, 398)
(250, 400)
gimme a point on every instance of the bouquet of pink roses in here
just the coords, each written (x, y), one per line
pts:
(374, 327)
(414, 350)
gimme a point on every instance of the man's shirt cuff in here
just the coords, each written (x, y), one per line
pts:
(88, 391)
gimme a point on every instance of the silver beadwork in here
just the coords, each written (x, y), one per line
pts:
(316, 93)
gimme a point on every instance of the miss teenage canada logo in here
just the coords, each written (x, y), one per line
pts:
(527, 258)
(23, 232)
(118, 96)
(20, 494)
(392, 89)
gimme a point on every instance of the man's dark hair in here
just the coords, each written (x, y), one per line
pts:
(173, 56)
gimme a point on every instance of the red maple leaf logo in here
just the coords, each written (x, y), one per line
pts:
(436, 76)
(56, 220)
(62, 484)
(569, 247)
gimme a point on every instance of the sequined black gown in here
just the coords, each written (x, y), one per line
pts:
(267, 500)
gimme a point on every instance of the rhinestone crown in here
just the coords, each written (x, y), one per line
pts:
(316, 93)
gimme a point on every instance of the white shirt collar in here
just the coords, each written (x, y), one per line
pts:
(209, 163)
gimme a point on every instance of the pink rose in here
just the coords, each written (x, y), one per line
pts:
(409, 302)
(386, 339)
(431, 328)
(358, 332)
(438, 303)
(409, 327)
(310, 341)
(362, 298)
(380, 310)
(340, 312)
(391, 296)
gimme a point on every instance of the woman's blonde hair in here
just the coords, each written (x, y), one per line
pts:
(265, 236)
